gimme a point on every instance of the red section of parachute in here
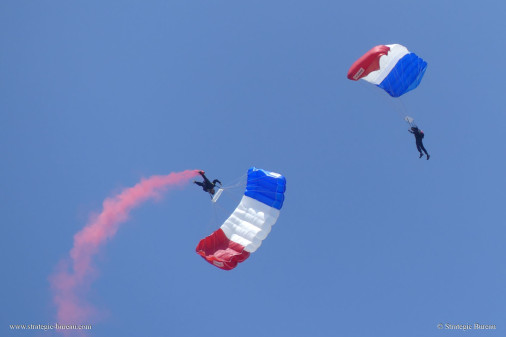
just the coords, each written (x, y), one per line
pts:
(220, 251)
(368, 63)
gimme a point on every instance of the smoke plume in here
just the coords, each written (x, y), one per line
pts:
(74, 274)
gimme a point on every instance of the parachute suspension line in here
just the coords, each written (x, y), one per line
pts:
(219, 212)
(213, 220)
(241, 182)
(236, 192)
(217, 208)
(236, 183)
(231, 187)
(406, 116)
(401, 110)
(219, 216)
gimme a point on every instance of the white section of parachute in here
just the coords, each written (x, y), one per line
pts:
(217, 195)
(387, 63)
(250, 223)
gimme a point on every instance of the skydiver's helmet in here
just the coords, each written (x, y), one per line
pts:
(414, 128)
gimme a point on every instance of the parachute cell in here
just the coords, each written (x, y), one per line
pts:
(250, 223)
(391, 67)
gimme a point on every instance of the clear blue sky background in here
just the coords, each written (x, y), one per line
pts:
(372, 241)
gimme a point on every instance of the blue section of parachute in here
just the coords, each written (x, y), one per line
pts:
(266, 187)
(405, 76)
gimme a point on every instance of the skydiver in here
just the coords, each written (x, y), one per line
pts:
(418, 137)
(207, 185)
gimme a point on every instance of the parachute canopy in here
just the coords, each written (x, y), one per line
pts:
(243, 232)
(391, 67)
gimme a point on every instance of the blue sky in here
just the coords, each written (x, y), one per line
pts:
(371, 241)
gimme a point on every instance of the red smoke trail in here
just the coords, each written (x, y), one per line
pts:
(74, 275)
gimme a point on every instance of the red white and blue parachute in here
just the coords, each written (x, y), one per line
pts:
(243, 232)
(391, 67)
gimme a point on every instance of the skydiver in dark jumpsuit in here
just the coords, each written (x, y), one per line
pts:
(207, 185)
(419, 143)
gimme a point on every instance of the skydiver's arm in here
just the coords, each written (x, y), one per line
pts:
(199, 183)
(411, 131)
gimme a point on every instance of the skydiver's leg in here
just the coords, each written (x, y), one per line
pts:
(424, 150)
(418, 147)
(206, 181)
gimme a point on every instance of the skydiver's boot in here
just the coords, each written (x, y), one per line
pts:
(421, 155)
(428, 156)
